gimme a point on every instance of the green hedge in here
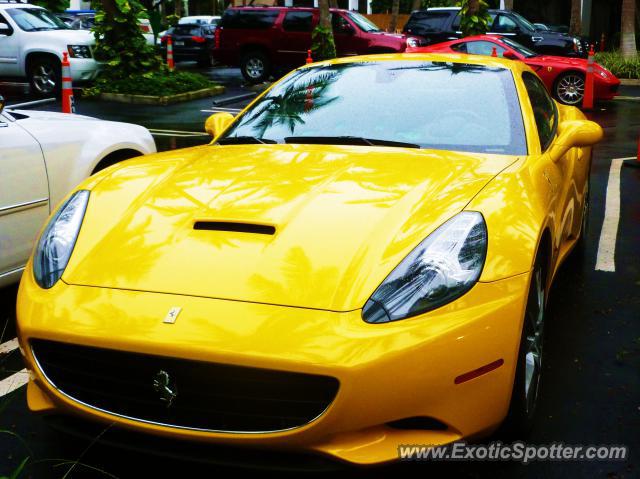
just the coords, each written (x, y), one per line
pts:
(617, 65)
(160, 83)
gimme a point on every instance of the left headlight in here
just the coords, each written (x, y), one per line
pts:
(79, 51)
(440, 269)
(56, 244)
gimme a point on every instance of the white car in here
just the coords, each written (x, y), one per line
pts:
(200, 20)
(43, 156)
(32, 41)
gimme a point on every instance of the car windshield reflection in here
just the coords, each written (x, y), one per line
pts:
(435, 105)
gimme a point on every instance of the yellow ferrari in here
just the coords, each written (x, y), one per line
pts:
(359, 260)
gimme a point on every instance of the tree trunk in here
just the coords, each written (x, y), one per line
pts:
(416, 5)
(333, 3)
(325, 15)
(111, 11)
(508, 4)
(178, 9)
(628, 30)
(395, 9)
(575, 25)
(474, 7)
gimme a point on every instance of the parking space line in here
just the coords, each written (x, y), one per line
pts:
(13, 382)
(222, 110)
(606, 259)
(9, 346)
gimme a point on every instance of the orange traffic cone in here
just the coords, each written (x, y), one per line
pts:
(170, 53)
(68, 104)
(494, 52)
(587, 100)
(309, 59)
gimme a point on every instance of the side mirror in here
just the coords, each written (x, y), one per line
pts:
(217, 123)
(575, 133)
(509, 55)
(4, 29)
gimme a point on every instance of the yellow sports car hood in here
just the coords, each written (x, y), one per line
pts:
(307, 226)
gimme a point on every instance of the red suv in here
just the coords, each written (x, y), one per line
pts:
(263, 39)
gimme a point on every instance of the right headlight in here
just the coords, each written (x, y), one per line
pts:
(79, 51)
(440, 269)
(56, 244)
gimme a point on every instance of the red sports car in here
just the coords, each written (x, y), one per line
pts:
(563, 76)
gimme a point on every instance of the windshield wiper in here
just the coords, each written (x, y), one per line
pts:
(244, 140)
(346, 140)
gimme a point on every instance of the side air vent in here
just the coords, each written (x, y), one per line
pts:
(235, 227)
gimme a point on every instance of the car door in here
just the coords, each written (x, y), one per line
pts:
(559, 175)
(24, 194)
(507, 26)
(346, 36)
(9, 48)
(295, 36)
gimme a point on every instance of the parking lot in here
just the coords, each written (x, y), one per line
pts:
(590, 390)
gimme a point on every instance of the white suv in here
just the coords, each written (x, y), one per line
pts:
(32, 41)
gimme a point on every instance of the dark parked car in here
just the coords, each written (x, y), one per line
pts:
(190, 41)
(437, 25)
(261, 40)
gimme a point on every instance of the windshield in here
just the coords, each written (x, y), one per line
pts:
(36, 19)
(526, 22)
(363, 23)
(437, 105)
(521, 49)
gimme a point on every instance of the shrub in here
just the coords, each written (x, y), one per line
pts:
(617, 65)
(160, 83)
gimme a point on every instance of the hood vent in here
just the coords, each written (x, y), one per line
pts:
(235, 227)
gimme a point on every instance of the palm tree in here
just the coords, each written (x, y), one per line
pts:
(325, 14)
(395, 9)
(628, 30)
(575, 25)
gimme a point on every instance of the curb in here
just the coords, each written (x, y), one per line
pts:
(161, 100)
(630, 81)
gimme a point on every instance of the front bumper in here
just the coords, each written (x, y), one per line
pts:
(387, 372)
(605, 88)
(84, 69)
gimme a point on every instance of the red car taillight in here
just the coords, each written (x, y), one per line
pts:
(198, 39)
(145, 28)
(164, 39)
(217, 38)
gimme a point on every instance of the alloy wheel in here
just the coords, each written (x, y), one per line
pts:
(44, 78)
(570, 89)
(255, 67)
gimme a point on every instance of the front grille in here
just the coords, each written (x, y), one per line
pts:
(208, 396)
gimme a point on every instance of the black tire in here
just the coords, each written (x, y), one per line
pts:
(45, 76)
(205, 61)
(569, 88)
(526, 385)
(255, 66)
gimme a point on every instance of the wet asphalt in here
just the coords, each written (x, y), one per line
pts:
(591, 385)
